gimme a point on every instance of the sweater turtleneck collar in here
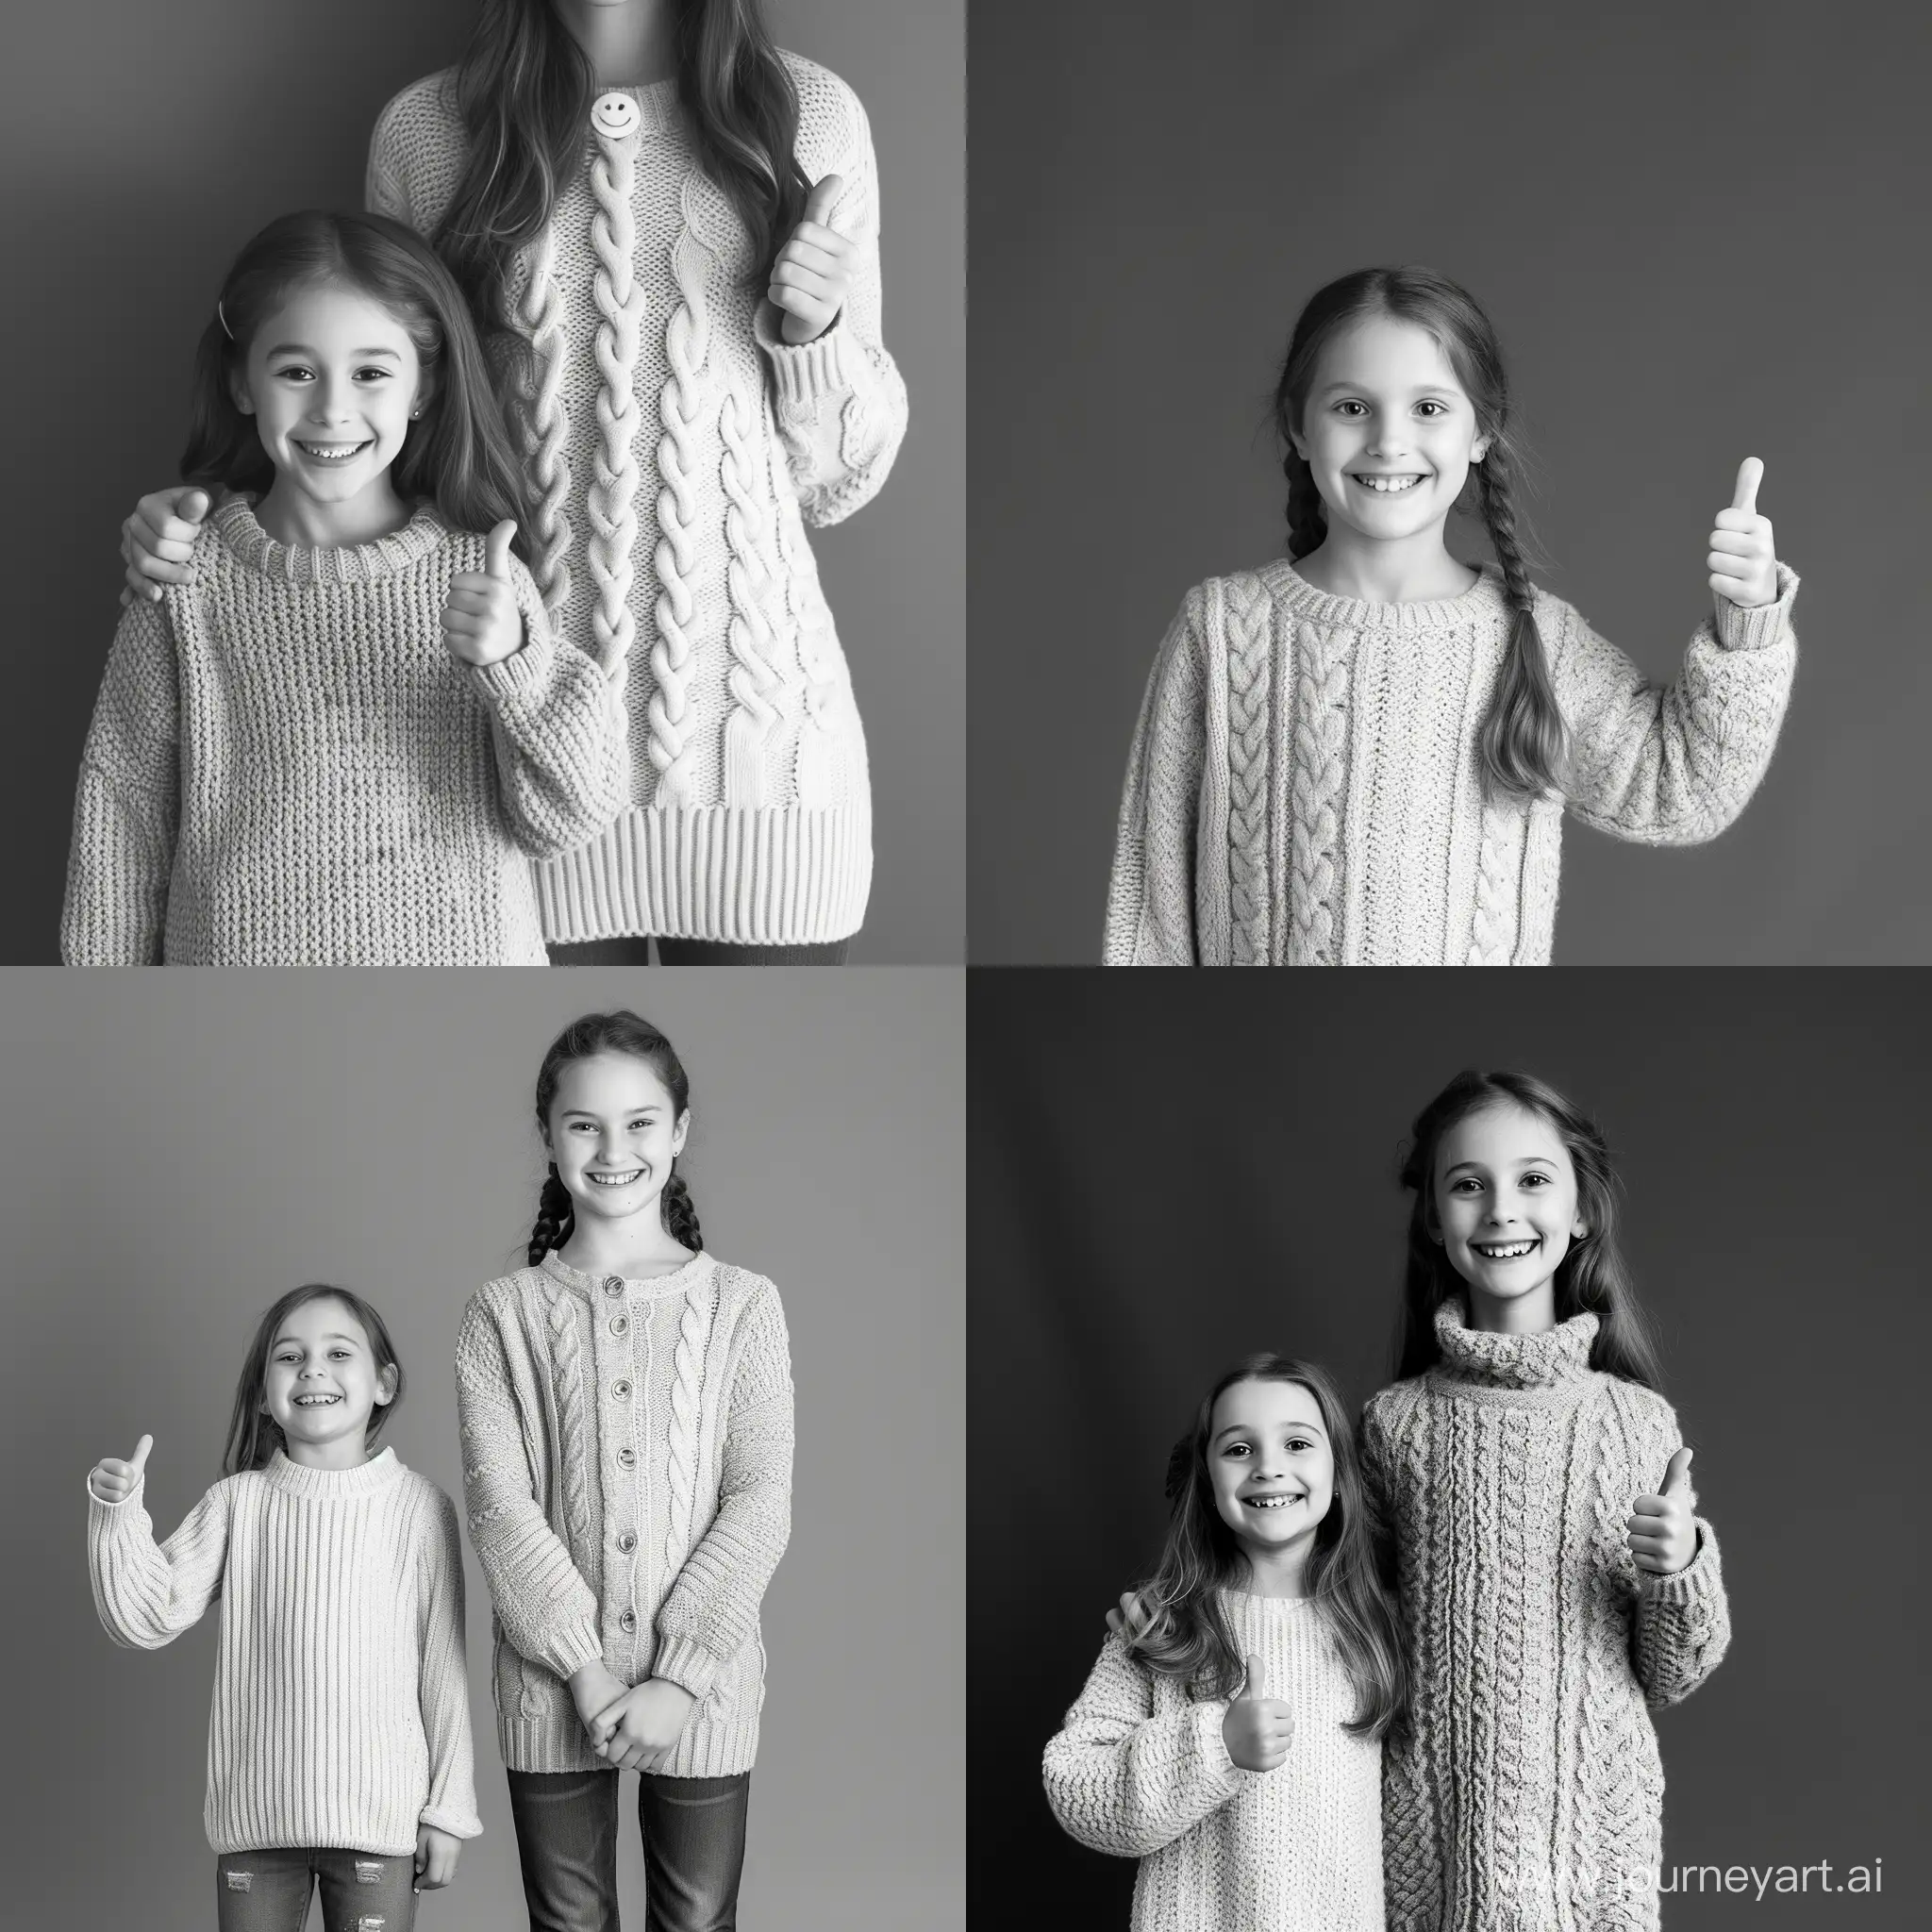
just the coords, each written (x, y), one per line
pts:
(1482, 603)
(679, 1281)
(241, 535)
(299, 1479)
(1556, 1358)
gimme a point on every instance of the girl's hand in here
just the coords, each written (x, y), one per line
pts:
(1258, 1729)
(1662, 1529)
(114, 1481)
(1743, 560)
(643, 1723)
(158, 538)
(1130, 1621)
(812, 275)
(481, 624)
(437, 1854)
(594, 1688)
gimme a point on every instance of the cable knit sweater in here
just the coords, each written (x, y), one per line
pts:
(1304, 787)
(340, 1715)
(627, 1470)
(287, 767)
(678, 447)
(1140, 1769)
(1531, 1798)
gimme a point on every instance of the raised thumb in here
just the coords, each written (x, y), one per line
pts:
(1750, 474)
(822, 199)
(1677, 1477)
(193, 506)
(1254, 1688)
(496, 558)
(139, 1461)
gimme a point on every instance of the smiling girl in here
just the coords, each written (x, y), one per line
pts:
(1233, 1743)
(1362, 755)
(340, 737)
(626, 1414)
(339, 1744)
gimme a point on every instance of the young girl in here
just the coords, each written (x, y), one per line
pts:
(1555, 1584)
(1361, 756)
(626, 1414)
(681, 225)
(339, 1744)
(1234, 1743)
(337, 739)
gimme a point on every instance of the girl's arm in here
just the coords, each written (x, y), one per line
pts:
(547, 1611)
(1122, 1780)
(443, 1683)
(127, 807)
(1150, 897)
(1674, 766)
(146, 1596)
(1683, 1626)
(710, 1611)
(839, 401)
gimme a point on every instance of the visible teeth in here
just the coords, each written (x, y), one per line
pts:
(616, 1180)
(331, 452)
(1272, 1502)
(1507, 1251)
(1388, 486)
(315, 1401)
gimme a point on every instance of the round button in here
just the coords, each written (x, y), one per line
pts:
(620, 1327)
(628, 1620)
(615, 115)
(613, 1284)
(626, 1542)
(626, 1459)
(621, 1387)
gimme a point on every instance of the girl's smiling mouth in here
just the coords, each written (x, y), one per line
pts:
(333, 452)
(1505, 1251)
(1384, 486)
(613, 1180)
(1276, 1499)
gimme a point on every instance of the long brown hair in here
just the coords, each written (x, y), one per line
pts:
(1523, 742)
(1187, 1634)
(523, 92)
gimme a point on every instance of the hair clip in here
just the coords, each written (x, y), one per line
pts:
(226, 329)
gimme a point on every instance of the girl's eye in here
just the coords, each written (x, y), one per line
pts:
(1542, 1180)
(377, 373)
(293, 372)
(1344, 407)
(1236, 1449)
(1438, 408)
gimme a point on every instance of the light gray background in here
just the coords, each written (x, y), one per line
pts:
(177, 1149)
(142, 145)
(1696, 228)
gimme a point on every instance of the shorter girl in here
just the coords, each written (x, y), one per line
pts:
(341, 740)
(1234, 1743)
(339, 1744)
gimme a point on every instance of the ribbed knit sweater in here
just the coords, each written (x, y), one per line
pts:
(1531, 1796)
(287, 767)
(657, 1419)
(679, 447)
(1140, 1769)
(1304, 788)
(340, 1715)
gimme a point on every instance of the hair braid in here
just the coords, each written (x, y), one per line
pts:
(1523, 742)
(681, 1213)
(554, 1215)
(1308, 520)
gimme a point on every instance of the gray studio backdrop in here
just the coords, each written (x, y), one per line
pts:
(1163, 1181)
(1695, 228)
(178, 1149)
(142, 147)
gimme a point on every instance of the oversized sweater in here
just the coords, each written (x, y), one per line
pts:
(627, 1471)
(1140, 1769)
(340, 1715)
(1530, 1798)
(287, 767)
(1304, 788)
(678, 447)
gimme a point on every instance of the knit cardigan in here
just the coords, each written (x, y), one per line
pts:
(627, 1473)
(1304, 788)
(1140, 1769)
(287, 767)
(1531, 1797)
(342, 1714)
(678, 446)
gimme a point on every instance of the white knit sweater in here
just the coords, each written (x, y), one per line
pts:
(1304, 787)
(287, 767)
(679, 447)
(627, 1469)
(1141, 1771)
(340, 1715)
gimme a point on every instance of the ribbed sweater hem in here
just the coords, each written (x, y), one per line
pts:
(762, 876)
(556, 1743)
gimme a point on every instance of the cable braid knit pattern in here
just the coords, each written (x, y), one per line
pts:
(1250, 663)
(1392, 854)
(544, 423)
(687, 1393)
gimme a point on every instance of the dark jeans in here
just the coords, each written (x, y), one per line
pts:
(361, 1891)
(695, 953)
(694, 1832)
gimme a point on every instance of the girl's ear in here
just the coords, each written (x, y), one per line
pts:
(425, 394)
(386, 1386)
(1479, 449)
(237, 392)
(681, 1132)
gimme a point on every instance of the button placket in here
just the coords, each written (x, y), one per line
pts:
(620, 1504)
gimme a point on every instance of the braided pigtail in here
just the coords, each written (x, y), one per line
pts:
(1308, 520)
(554, 1215)
(680, 1213)
(1523, 742)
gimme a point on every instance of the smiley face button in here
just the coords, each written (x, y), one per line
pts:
(615, 116)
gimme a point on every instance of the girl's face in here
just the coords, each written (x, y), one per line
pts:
(614, 1129)
(1271, 1464)
(330, 379)
(1505, 1205)
(1388, 431)
(323, 1382)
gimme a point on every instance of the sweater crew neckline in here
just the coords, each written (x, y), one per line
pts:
(679, 1281)
(299, 1479)
(1482, 602)
(241, 535)
(1556, 1360)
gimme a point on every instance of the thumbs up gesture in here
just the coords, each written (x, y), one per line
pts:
(1743, 560)
(812, 275)
(114, 1481)
(481, 624)
(1661, 1529)
(1258, 1728)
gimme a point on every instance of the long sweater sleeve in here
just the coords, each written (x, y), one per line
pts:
(451, 1804)
(145, 1595)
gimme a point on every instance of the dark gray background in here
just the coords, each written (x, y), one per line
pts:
(1696, 230)
(142, 145)
(177, 1149)
(1163, 1181)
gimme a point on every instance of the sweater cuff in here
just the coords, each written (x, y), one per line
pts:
(1763, 625)
(524, 675)
(687, 1664)
(1212, 1741)
(454, 1822)
(567, 1649)
(101, 1510)
(806, 373)
(1695, 1581)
